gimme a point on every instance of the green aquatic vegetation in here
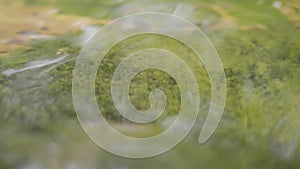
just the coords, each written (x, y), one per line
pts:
(59, 76)
(261, 73)
(147, 80)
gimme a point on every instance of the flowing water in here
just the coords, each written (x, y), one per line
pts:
(258, 42)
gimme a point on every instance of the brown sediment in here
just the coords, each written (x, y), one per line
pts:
(21, 23)
(291, 9)
(226, 21)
